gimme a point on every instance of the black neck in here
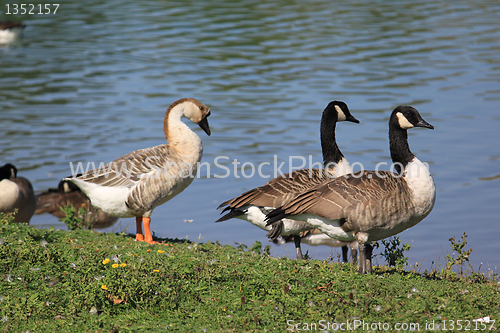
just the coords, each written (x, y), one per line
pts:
(331, 152)
(400, 150)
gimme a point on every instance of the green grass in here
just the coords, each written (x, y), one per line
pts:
(52, 280)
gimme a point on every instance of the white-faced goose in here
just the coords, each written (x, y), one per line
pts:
(67, 193)
(253, 205)
(371, 205)
(16, 193)
(136, 183)
(10, 31)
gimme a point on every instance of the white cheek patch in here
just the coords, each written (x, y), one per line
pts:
(403, 122)
(341, 115)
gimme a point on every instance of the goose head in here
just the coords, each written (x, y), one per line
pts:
(8, 171)
(198, 113)
(406, 117)
(402, 119)
(66, 186)
(339, 110)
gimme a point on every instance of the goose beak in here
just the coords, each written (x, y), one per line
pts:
(423, 123)
(204, 124)
(352, 119)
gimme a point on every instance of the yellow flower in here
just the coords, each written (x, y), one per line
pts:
(148, 250)
(105, 261)
(155, 270)
(104, 287)
(161, 251)
(114, 265)
(123, 265)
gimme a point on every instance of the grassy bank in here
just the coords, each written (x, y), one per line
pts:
(83, 281)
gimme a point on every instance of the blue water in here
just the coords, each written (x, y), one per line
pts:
(93, 81)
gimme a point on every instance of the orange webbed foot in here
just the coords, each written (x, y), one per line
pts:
(146, 237)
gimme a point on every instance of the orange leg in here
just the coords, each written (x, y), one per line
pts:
(148, 237)
(138, 234)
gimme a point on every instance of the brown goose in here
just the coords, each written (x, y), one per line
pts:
(253, 205)
(136, 183)
(65, 194)
(16, 193)
(371, 205)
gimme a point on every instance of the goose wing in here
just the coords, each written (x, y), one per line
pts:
(336, 199)
(128, 169)
(279, 190)
(164, 175)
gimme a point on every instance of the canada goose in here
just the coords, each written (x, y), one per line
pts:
(67, 193)
(253, 205)
(16, 193)
(371, 205)
(315, 237)
(136, 183)
(10, 31)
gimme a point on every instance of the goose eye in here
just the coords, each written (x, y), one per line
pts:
(202, 108)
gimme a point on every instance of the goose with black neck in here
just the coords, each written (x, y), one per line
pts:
(370, 205)
(254, 204)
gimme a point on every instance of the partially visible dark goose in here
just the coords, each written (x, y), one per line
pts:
(16, 193)
(10, 31)
(369, 206)
(253, 205)
(67, 193)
